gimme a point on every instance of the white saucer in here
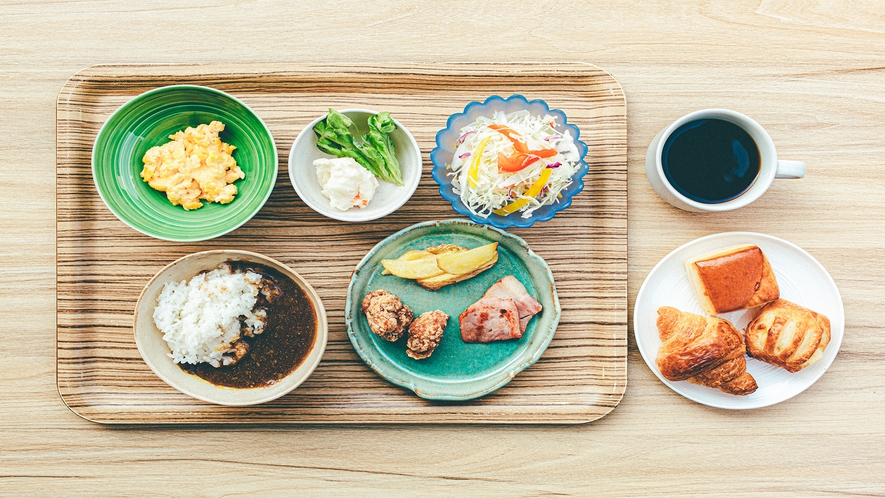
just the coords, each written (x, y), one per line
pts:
(801, 279)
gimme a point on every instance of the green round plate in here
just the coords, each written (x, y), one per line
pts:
(456, 370)
(148, 120)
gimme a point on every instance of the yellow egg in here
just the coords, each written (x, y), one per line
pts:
(195, 166)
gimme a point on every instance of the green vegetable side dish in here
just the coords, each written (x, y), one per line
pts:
(374, 151)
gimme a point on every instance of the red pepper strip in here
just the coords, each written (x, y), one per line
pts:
(544, 152)
(521, 147)
(512, 136)
(515, 162)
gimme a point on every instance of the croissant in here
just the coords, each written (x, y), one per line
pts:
(788, 335)
(704, 350)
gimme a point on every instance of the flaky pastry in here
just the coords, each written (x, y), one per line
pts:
(704, 350)
(788, 335)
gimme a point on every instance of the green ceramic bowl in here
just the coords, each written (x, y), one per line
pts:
(146, 121)
(456, 370)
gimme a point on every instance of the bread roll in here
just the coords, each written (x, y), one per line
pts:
(731, 279)
(788, 335)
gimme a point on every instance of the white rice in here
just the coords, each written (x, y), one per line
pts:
(200, 319)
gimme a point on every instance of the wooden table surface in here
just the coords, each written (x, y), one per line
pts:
(811, 72)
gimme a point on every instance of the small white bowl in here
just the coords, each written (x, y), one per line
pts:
(388, 198)
(155, 351)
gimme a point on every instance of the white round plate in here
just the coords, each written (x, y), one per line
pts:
(801, 279)
(388, 198)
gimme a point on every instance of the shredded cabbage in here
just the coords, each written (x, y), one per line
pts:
(485, 188)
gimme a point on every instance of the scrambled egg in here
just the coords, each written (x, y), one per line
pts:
(195, 165)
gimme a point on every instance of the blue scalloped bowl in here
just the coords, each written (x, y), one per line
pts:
(447, 143)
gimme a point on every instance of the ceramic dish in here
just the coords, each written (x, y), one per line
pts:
(447, 143)
(801, 279)
(146, 121)
(155, 351)
(388, 198)
(456, 370)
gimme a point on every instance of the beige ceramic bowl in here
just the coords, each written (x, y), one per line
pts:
(155, 351)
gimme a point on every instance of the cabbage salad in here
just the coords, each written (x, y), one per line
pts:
(512, 163)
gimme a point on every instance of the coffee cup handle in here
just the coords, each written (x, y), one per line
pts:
(790, 169)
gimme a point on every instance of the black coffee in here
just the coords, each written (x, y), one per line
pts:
(710, 160)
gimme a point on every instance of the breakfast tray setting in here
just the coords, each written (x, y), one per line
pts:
(102, 265)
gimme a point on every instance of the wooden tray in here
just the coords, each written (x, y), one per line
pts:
(102, 265)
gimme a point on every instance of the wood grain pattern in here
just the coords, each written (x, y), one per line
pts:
(102, 264)
(809, 71)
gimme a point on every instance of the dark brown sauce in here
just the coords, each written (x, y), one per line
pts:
(711, 160)
(288, 337)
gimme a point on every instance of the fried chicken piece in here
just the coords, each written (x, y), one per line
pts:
(388, 316)
(425, 334)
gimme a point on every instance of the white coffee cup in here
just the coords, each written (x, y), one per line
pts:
(769, 165)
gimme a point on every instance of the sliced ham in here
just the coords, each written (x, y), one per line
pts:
(490, 319)
(502, 313)
(511, 288)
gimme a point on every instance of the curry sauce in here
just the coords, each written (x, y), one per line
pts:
(288, 337)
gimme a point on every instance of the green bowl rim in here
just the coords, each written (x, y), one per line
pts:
(276, 160)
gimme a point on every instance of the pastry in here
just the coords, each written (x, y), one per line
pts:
(705, 350)
(788, 335)
(731, 279)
